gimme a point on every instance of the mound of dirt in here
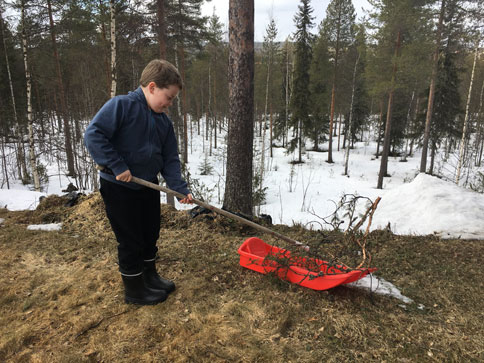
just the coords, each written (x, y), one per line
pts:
(89, 217)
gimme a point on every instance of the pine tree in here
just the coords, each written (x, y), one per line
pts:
(302, 63)
(238, 186)
(338, 26)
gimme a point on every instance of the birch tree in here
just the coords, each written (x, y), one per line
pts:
(32, 157)
(466, 119)
(21, 165)
(112, 12)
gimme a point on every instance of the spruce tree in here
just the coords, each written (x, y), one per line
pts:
(302, 63)
(320, 90)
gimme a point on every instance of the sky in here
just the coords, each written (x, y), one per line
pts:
(283, 12)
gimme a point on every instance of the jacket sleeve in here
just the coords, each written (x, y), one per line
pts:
(171, 163)
(100, 132)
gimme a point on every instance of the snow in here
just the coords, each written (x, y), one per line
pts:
(429, 205)
(19, 199)
(380, 286)
(45, 227)
(411, 203)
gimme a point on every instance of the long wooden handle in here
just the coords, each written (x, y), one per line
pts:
(217, 210)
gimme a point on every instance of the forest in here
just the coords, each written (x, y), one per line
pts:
(411, 73)
(408, 78)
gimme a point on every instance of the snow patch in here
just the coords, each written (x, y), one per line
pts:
(45, 227)
(380, 286)
(429, 205)
(18, 199)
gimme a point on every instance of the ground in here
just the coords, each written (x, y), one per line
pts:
(61, 298)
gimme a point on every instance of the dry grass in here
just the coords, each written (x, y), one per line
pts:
(61, 298)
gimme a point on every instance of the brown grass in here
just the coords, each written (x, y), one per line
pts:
(61, 298)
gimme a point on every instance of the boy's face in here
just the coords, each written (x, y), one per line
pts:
(159, 99)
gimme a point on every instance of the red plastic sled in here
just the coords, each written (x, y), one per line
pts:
(308, 272)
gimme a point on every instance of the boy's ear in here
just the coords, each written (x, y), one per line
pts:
(151, 86)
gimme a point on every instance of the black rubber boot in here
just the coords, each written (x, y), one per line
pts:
(135, 291)
(155, 281)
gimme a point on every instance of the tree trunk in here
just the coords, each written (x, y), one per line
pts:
(286, 121)
(160, 14)
(388, 125)
(4, 164)
(339, 130)
(412, 141)
(264, 122)
(466, 119)
(428, 118)
(67, 129)
(350, 121)
(106, 58)
(407, 126)
(32, 158)
(112, 12)
(21, 165)
(333, 92)
(432, 158)
(238, 186)
(184, 105)
(380, 126)
(480, 129)
(215, 107)
(270, 134)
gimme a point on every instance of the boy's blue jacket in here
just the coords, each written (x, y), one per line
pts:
(127, 134)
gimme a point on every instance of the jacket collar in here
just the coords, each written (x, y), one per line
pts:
(139, 95)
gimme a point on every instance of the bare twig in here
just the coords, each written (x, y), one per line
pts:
(96, 324)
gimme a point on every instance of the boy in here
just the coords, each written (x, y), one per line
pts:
(132, 135)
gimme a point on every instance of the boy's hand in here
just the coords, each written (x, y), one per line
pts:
(125, 176)
(187, 200)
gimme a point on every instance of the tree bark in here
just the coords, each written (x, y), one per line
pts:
(160, 14)
(479, 128)
(350, 121)
(105, 54)
(380, 126)
(428, 118)
(21, 165)
(333, 93)
(388, 125)
(238, 187)
(184, 106)
(466, 120)
(67, 129)
(32, 158)
(112, 12)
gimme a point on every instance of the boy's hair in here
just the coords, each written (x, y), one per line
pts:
(162, 72)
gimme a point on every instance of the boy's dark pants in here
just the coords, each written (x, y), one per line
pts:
(135, 219)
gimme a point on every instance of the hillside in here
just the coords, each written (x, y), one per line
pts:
(61, 297)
